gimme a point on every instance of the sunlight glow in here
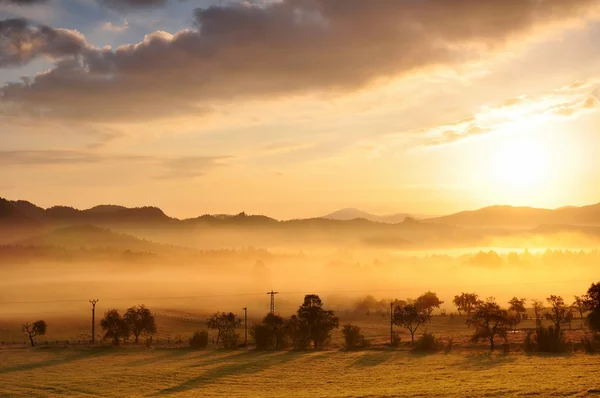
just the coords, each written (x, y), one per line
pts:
(520, 163)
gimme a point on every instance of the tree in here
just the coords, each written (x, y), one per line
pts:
(517, 305)
(37, 328)
(538, 309)
(593, 303)
(428, 302)
(466, 302)
(319, 323)
(489, 321)
(270, 333)
(139, 320)
(558, 312)
(411, 318)
(581, 304)
(225, 324)
(114, 326)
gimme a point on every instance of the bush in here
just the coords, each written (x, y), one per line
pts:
(263, 337)
(230, 340)
(199, 339)
(546, 340)
(427, 342)
(353, 337)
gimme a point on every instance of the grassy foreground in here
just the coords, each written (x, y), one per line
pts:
(375, 373)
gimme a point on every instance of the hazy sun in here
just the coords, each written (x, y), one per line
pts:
(520, 163)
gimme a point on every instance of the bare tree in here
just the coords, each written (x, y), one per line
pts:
(538, 309)
(37, 328)
(558, 312)
(466, 302)
(489, 321)
(581, 304)
(411, 318)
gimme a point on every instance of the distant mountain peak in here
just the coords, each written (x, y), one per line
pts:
(351, 213)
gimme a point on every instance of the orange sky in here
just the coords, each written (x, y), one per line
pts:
(295, 110)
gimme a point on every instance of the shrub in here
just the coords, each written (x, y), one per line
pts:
(427, 342)
(230, 340)
(353, 337)
(548, 339)
(396, 340)
(263, 337)
(199, 339)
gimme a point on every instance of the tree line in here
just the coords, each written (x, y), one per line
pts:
(311, 326)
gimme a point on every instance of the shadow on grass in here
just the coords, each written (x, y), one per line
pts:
(246, 363)
(370, 359)
(486, 361)
(160, 354)
(71, 355)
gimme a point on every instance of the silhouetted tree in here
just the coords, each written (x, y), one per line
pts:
(593, 302)
(538, 309)
(517, 305)
(37, 328)
(411, 318)
(139, 320)
(114, 326)
(225, 324)
(466, 302)
(298, 332)
(319, 323)
(558, 312)
(581, 304)
(489, 321)
(270, 333)
(199, 339)
(428, 302)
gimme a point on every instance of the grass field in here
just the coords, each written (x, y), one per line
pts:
(333, 373)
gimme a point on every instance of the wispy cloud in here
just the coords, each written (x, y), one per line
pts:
(172, 167)
(110, 27)
(566, 102)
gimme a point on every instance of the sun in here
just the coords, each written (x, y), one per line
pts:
(520, 163)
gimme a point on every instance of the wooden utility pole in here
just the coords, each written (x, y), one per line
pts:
(94, 301)
(272, 293)
(245, 326)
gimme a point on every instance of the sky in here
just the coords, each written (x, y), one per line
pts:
(297, 108)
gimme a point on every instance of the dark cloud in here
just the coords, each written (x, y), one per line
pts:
(23, 2)
(283, 48)
(130, 4)
(22, 41)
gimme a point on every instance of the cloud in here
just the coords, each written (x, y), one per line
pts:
(129, 4)
(172, 168)
(566, 102)
(21, 42)
(278, 49)
(110, 27)
(23, 2)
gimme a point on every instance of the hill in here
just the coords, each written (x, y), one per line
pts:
(522, 217)
(353, 214)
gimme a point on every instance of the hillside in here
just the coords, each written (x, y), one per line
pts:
(521, 217)
(352, 214)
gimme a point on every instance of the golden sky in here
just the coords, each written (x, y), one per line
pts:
(296, 108)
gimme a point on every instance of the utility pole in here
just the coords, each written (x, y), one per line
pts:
(245, 326)
(392, 324)
(94, 301)
(272, 293)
